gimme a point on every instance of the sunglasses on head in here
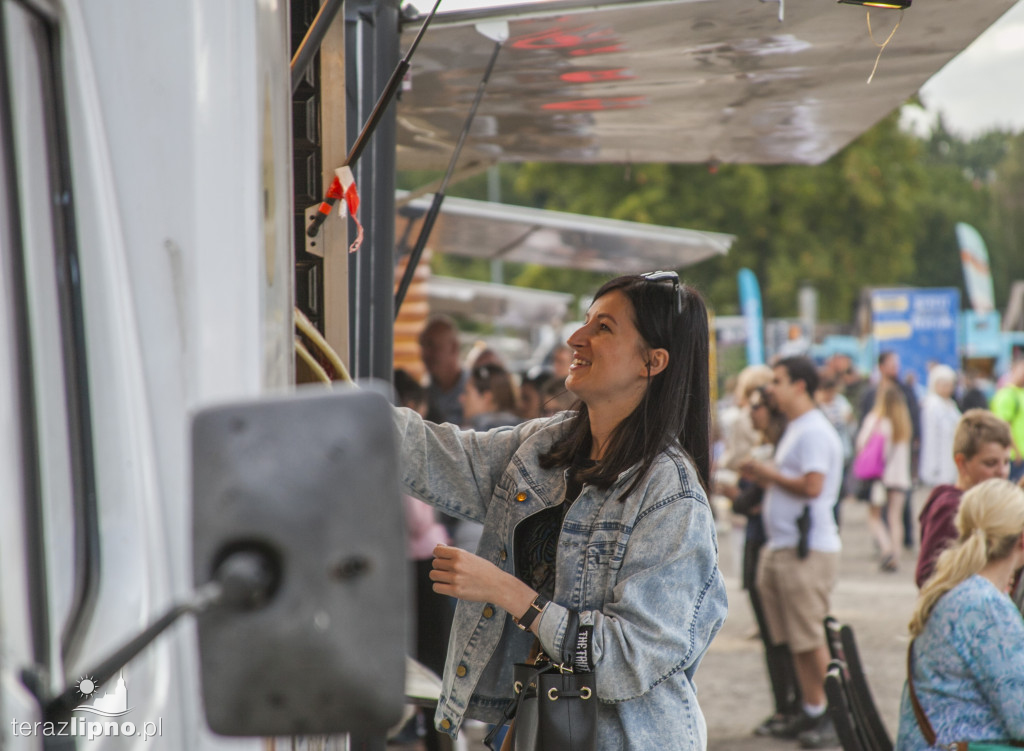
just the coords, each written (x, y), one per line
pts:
(667, 276)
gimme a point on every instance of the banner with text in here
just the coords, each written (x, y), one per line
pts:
(920, 325)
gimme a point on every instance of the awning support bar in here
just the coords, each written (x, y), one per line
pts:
(378, 110)
(435, 205)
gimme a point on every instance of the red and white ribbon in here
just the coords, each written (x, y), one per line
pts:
(350, 193)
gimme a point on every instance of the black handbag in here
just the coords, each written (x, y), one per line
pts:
(750, 497)
(555, 707)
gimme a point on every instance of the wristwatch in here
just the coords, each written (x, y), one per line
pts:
(526, 619)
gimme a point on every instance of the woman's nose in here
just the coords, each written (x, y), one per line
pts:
(577, 338)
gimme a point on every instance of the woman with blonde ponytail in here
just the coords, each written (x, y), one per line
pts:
(968, 648)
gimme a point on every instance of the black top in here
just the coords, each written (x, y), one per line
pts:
(536, 537)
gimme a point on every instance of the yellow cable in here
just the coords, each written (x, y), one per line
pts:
(306, 357)
(306, 327)
(883, 45)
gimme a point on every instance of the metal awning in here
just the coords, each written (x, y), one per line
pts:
(500, 304)
(480, 229)
(672, 80)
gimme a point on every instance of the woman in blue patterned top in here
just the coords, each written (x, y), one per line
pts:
(968, 649)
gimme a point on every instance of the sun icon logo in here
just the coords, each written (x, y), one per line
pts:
(87, 687)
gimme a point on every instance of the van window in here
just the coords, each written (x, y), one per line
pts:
(60, 505)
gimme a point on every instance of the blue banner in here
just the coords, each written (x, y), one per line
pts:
(920, 325)
(750, 306)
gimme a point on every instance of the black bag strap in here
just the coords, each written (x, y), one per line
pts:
(569, 642)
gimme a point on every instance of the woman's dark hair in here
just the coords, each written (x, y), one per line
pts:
(407, 389)
(496, 380)
(776, 420)
(677, 402)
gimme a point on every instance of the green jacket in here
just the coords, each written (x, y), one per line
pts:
(1008, 403)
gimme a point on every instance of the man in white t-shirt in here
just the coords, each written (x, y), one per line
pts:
(799, 564)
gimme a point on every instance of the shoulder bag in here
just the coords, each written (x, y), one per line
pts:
(929, 732)
(555, 706)
(869, 464)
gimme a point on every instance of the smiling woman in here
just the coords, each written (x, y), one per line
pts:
(612, 498)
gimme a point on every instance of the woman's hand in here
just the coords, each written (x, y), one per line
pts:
(459, 573)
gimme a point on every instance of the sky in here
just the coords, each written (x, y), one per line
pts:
(981, 89)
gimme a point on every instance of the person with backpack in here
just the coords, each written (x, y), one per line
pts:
(883, 458)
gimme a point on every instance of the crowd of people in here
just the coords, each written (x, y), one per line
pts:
(518, 466)
(875, 440)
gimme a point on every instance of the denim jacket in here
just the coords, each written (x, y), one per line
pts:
(642, 573)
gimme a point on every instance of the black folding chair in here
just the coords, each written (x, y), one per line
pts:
(864, 707)
(835, 644)
(839, 709)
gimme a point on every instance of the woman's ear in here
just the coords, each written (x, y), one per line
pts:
(961, 463)
(657, 361)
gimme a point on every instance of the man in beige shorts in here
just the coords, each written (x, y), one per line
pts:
(799, 564)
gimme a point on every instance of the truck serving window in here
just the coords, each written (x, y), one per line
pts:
(40, 248)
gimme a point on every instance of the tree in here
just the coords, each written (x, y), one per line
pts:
(880, 213)
(838, 226)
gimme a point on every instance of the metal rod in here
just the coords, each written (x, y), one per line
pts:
(435, 205)
(375, 116)
(61, 706)
(314, 38)
(389, 92)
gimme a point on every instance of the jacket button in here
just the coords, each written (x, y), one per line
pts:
(446, 723)
(521, 496)
(461, 671)
(504, 554)
(488, 611)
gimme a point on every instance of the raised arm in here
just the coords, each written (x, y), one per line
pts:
(455, 470)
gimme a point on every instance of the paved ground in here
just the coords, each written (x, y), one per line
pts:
(732, 682)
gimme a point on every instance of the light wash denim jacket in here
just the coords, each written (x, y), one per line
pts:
(643, 573)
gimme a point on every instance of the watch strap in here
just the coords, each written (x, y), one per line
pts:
(526, 619)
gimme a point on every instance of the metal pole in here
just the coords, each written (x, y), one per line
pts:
(314, 38)
(389, 91)
(372, 44)
(379, 109)
(435, 205)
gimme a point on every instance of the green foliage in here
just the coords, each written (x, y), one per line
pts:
(880, 213)
(1007, 220)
